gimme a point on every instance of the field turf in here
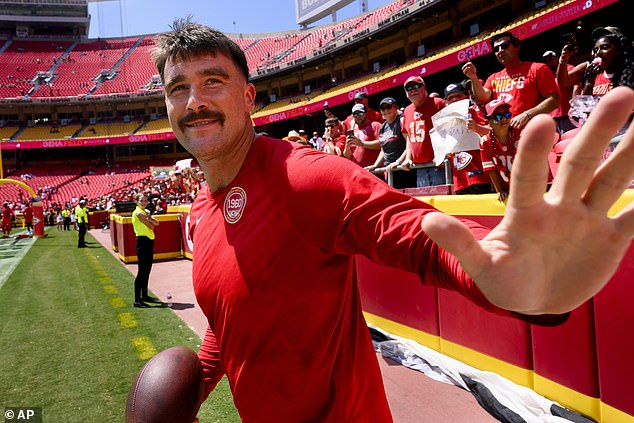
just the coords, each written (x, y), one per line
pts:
(70, 341)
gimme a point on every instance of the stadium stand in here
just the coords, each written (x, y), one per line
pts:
(134, 74)
(159, 125)
(109, 129)
(7, 132)
(47, 132)
(23, 61)
(105, 70)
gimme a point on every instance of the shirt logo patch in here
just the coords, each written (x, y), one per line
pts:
(235, 202)
(462, 160)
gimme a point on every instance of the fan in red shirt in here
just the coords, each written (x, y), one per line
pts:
(277, 227)
(372, 115)
(416, 126)
(362, 139)
(499, 147)
(334, 140)
(529, 87)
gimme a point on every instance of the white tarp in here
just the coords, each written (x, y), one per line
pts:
(524, 403)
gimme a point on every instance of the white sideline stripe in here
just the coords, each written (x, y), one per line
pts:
(5, 271)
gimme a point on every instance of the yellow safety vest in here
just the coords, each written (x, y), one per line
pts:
(140, 229)
(81, 214)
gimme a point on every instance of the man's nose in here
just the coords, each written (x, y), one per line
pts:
(196, 100)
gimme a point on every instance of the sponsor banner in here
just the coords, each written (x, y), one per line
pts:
(539, 24)
(88, 142)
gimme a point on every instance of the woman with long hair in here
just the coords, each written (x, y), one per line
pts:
(611, 64)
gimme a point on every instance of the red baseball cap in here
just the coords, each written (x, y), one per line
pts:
(494, 104)
(417, 79)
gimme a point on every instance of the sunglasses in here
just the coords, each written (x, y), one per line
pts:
(413, 86)
(498, 116)
(501, 46)
(382, 108)
(358, 114)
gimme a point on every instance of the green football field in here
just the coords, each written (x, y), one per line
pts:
(70, 341)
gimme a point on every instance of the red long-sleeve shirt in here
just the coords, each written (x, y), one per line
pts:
(274, 273)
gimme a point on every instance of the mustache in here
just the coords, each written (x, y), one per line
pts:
(205, 114)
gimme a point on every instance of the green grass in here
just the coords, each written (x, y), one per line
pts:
(63, 346)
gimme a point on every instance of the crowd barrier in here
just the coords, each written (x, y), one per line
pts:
(584, 364)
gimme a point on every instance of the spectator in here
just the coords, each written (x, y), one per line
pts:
(566, 92)
(528, 87)
(611, 65)
(499, 146)
(294, 136)
(416, 126)
(316, 141)
(372, 115)
(362, 139)
(60, 221)
(393, 145)
(304, 136)
(468, 174)
(335, 141)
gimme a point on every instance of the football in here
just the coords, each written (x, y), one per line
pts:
(167, 389)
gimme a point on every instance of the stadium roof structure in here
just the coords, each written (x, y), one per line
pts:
(27, 18)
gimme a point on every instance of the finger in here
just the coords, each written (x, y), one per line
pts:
(530, 168)
(624, 221)
(455, 238)
(614, 176)
(582, 156)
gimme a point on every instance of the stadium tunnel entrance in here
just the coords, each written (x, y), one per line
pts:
(36, 203)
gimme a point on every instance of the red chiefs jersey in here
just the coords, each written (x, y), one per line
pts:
(497, 156)
(602, 84)
(28, 214)
(274, 273)
(524, 86)
(7, 213)
(417, 124)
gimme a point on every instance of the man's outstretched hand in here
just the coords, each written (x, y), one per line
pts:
(550, 253)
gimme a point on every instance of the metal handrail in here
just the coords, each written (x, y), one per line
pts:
(390, 176)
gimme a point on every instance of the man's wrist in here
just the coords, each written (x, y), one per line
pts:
(528, 114)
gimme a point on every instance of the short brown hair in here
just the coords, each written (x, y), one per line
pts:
(188, 39)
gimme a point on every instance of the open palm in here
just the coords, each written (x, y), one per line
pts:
(550, 253)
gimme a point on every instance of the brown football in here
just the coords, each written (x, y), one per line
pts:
(167, 389)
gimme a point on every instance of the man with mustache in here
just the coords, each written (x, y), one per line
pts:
(529, 87)
(276, 229)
